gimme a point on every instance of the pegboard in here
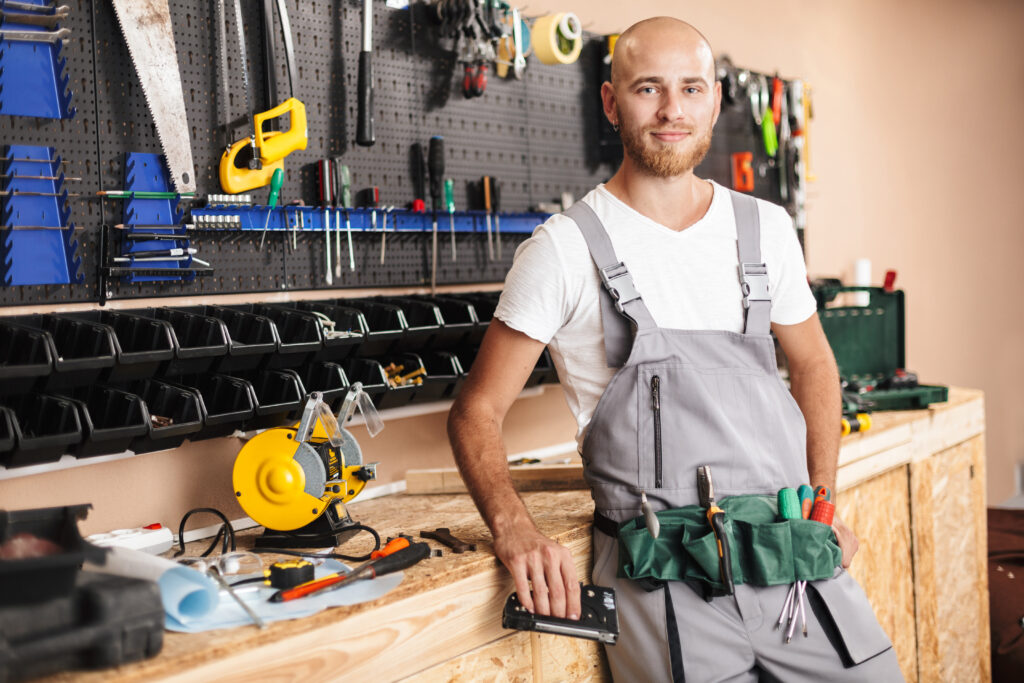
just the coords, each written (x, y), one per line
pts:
(535, 135)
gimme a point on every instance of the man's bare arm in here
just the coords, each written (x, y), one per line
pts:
(814, 381)
(499, 372)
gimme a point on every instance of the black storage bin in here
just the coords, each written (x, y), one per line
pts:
(26, 356)
(299, 333)
(466, 356)
(34, 579)
(141, 344)
(166, 401)
(82, 350)
(104, 622)
(226, 402)
(6, 432)
(330, 380)
(460, 322)
(483, 304)
(111, 419)
(423, 322)
(372, 376)
(278, 394)
(397, 396)
(251, 338)
(444, 376)
(385, 325)
(348, 333)
(198, 340)
(45, 428)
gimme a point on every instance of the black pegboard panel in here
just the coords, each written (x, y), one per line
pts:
(536, 135)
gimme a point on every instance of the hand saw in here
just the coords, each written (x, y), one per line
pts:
(242, 170)
(147, 31)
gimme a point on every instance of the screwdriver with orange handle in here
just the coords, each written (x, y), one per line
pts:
(398, 554)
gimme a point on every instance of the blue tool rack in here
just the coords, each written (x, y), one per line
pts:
(37, 240)
(33, 76)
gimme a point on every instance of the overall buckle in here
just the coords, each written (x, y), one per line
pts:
(754, 283)
(619, 283)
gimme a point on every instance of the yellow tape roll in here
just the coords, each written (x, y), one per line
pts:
(557, 38)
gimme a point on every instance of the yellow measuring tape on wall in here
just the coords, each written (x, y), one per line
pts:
(558, 38)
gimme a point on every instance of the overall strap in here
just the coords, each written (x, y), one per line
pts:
(623, 312)
(757, 303)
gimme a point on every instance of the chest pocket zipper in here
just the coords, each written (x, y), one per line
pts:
(656, 400)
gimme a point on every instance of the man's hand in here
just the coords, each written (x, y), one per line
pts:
(543, 571)
(848, 542)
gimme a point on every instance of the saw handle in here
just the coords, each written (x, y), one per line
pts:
(276, 145)
(234, 179)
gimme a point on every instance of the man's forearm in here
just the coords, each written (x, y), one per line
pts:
(480, 455)
(816, 390)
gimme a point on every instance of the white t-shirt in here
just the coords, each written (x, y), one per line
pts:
(689, 280)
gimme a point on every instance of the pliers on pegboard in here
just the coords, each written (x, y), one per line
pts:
(474, 79)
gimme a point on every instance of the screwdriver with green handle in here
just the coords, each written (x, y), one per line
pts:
(449, 201)
(275, 189)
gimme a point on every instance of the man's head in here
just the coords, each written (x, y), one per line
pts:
(663, 95)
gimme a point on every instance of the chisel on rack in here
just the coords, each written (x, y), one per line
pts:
(325, 176)
(435, 165)
(343, 196)
(488, 208)
(496, 205)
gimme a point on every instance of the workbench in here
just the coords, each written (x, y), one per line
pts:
(912, 488)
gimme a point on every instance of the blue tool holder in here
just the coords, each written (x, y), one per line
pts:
(148, 173)
(45, 251)
(315, 218)
(33, 76)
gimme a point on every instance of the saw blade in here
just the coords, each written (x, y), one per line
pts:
(146, 26)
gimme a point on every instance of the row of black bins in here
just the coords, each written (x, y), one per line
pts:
(104, 381)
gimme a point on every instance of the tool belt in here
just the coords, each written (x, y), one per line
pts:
(765, 550)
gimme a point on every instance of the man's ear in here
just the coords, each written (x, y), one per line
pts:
(608, 102)
(718, 102)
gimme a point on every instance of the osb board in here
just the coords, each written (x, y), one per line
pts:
(443, 608)
(950, 565)
(878, 512)
(538, 477)
(509, 660)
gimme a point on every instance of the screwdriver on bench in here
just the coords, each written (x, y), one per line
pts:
(400, 556)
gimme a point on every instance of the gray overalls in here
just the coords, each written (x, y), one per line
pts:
(685, 398)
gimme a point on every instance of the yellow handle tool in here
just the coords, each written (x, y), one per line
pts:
(273, 147)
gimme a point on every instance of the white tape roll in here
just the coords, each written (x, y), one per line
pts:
(551, 45)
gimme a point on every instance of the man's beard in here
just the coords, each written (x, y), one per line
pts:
(667, 161)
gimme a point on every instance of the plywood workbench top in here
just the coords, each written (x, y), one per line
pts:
(449, 606)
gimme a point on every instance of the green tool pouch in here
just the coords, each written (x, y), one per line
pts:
(765, 551)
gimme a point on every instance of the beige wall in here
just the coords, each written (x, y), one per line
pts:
(915, 155)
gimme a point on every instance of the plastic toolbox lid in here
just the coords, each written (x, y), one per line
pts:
(36, 579)
(868, 341)
(24, 352)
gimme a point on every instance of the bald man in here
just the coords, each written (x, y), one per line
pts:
(656, 295)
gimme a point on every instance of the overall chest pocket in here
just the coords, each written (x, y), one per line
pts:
(737, 420)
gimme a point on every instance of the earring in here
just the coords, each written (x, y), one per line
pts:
(615, 127)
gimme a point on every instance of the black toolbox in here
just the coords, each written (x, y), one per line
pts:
(105, 621)
(869, 343)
